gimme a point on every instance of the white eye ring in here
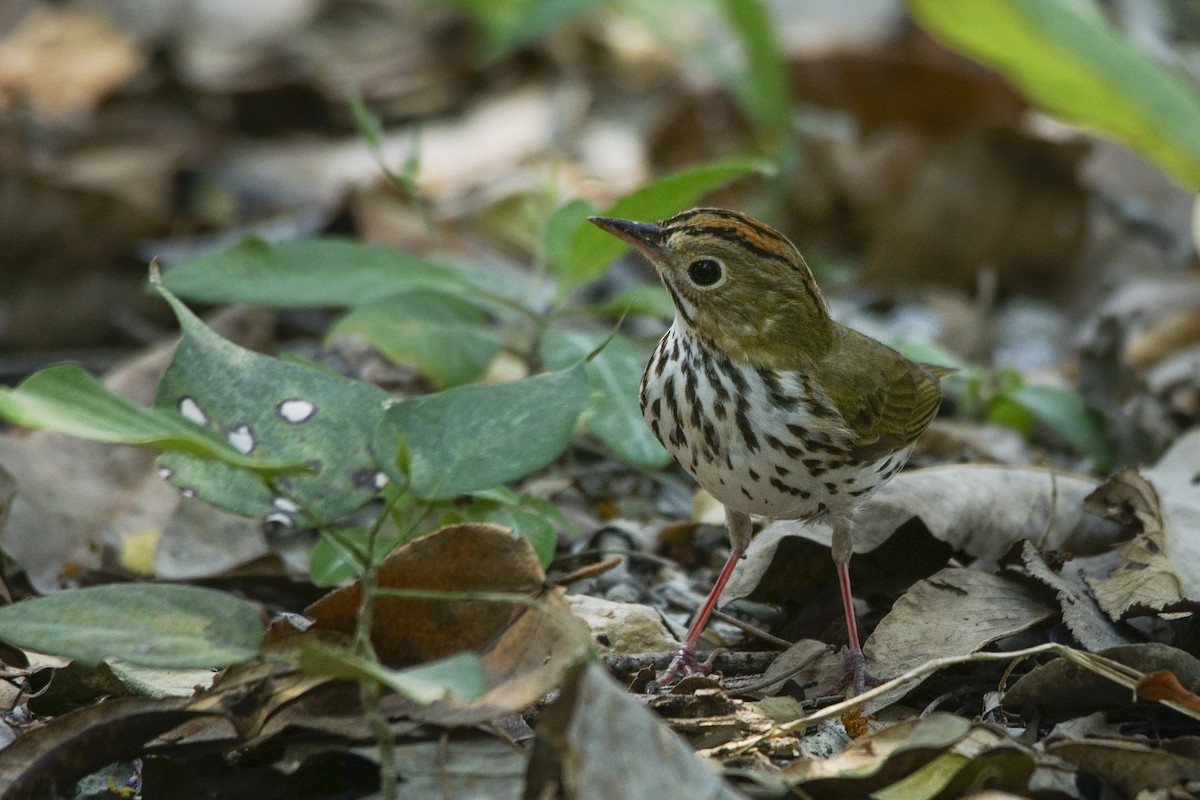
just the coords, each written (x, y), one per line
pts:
(706, 272)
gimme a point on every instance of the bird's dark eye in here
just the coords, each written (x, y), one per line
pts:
(704, 271)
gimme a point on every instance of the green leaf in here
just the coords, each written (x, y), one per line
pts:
(476, 437)
(460, 675)
(649, 299)
(592, 250)
(367, 122)
(447, 338)
(509, 24)
(615, 376)
(560, 231)
(152, 625)
(327, 272)
(1063, 412)
(1068, 59)
(278, 410)
(65, 398)
(763, 89)
(341, 554)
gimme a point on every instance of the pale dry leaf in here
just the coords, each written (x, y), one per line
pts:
(980, 510)
(1176, 478)
(63, 61)
(955, 612)
(1144, 579)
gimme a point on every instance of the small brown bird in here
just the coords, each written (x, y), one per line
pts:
(773, 407)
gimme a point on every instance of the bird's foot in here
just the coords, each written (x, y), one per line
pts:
(684, 665)
(855, 679)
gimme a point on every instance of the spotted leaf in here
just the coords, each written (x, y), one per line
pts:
(274, 409)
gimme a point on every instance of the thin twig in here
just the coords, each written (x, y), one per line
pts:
(1105, 667)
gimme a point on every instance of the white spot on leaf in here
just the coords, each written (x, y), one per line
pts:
(296, 411)
(165, 473)
(192, 410)
(283, 520)
(285, 505)
(381, 480)
(242, 438)
(188, 492)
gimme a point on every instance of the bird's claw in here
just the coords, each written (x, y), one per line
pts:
(684, 665)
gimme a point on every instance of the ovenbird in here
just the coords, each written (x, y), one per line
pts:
(772, 406)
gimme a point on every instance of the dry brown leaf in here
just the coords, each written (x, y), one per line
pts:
(1162, 684)
(955, 612)
(471, 558)
(526, 650)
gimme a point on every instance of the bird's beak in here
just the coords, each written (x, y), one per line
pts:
(645, 236)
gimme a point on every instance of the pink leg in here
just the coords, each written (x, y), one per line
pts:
(685, 663)
(854, 665)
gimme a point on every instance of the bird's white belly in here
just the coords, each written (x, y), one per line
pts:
(758, 442)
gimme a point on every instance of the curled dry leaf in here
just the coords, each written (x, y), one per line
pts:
(1162, 684)
(526, 647)
(1160, 566)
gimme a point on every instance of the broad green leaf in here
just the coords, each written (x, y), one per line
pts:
(322, 272)
(593, 250)
(1068, 59)
(1064, 412)
(560, 231)
(762, 89)
(460, 675)
(341, 554)
(152, 625)
(649, 300)
(66, 398)
(447, 338)
(273, 409)
(475, 437)
(615, 375)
